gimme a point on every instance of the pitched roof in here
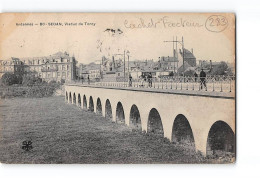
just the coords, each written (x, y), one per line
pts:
(187, 54)
(169, 59)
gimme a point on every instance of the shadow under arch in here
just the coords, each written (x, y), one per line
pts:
(99, 107)
(79, 100)
(108, 110)
(154, 125)
(70, 98)
(221, 139)
(91, 104)
(135, 119)
(74, 98)
(67, 99)
(120, 115)
(85, 102)
(182, 131)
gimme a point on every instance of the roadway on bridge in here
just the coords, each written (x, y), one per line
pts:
(169, 90)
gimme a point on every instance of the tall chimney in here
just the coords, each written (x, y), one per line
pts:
(192, 50)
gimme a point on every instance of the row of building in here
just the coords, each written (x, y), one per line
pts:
(57, 67)
(110, 69)
(61, 66)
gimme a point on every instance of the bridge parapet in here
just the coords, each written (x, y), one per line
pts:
(164, 87)
(218, 83)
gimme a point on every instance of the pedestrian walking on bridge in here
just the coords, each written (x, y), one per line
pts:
(196, 76)
(130, 80)
(88, 80)
(203, 79)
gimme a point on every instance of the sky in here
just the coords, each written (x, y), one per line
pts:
(142, 34)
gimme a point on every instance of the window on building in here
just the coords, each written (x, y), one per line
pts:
(63, 74)
(58, 74)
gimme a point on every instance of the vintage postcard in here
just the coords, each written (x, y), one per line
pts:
(117, 88)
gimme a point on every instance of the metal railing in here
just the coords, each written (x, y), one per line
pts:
(209, 84)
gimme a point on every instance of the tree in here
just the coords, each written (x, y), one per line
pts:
(189, 72)
(62, 81)
(10, 79)
(220, 69)
(31, 79)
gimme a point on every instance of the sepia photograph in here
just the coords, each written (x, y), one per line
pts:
(118, 88)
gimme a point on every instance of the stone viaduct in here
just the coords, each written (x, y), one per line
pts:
(195, 113)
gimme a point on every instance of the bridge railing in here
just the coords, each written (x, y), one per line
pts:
(211, 84)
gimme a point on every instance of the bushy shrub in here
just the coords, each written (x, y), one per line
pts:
(221, 69)
(37, 91)
(30, 80)
(9, 79)
(189, 72)
(32, 86)
(62, 81)
(40, 91)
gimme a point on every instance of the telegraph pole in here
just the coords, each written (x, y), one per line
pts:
(173, 55)
(183, 53)
(128, 66)
(124, 65)
(124, 61)
(177, 53)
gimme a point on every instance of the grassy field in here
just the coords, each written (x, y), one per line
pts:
(63, 133)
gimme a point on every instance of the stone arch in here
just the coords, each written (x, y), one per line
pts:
(120, 115)
(108, 110)
(85, 106)
(135, 118)
(79, 100)
(182, 132)
(67, 99)
(70, 98)
(99, 106)
(154, 124)
(91, 104)
(74, 98)
(221, 139)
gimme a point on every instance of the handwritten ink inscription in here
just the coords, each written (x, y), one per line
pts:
(164, 22)
(216, 23)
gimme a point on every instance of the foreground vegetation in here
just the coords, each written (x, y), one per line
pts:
(26, 85)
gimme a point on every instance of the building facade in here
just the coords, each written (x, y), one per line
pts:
(56, 67)
(13, 65)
